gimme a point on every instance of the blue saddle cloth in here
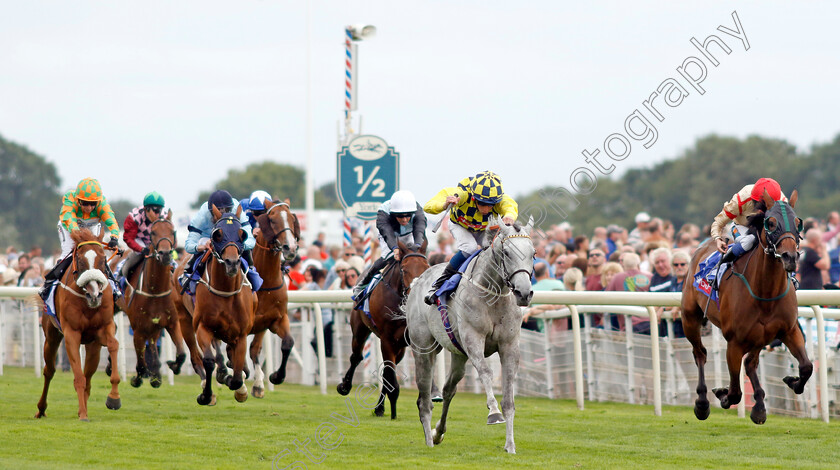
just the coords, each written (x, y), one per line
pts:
(707, 276)
(365, 305)
(251, 273)
(452, 283)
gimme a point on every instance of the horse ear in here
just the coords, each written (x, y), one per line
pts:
(530, 225)
(243, 235)
(268, 203)
(402, 247)
(101, 235)
(288, 202)
(169, 215)
(217, 214)
(238, 211)
(768, 201)
(793, 198)
(424, 246)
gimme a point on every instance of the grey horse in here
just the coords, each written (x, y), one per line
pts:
(484, 318)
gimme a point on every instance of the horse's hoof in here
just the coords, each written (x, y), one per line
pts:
(437, 438)
(437, 398)
(277, 378)
(258, 392)
(701, 411)
(247, 373)
(723, 395)
(235, 384)
(203, 400)
(175, 366)
(379, 412)
(155, 381)
(495, 418)
(512, 450)
(113, 403)
(793, 383)
(84, 420)
(136, 381)
(241, 395)
(342, 388)
(40, 415)
(758, 415)
(222, 376)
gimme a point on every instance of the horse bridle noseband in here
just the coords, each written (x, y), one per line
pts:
(405, 289)
(772, 244)
(275, 248)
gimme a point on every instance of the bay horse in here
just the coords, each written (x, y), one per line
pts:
(757, 305)
(150, 307)
(483, 316)
(84, 307)
(277, 238)
(224, 304)
(386, 321)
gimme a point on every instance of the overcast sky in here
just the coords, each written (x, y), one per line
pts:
(169, 95)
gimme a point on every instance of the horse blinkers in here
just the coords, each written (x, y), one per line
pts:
(775, 232)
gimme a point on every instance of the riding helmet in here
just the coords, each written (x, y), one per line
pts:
(486, 188)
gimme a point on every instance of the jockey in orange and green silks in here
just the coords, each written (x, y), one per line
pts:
(83, 207)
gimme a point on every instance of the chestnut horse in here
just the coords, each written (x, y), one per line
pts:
(149, 306)
(224, 304)
(85, 310)
(387, 322)
(757, 305)
(277, 239)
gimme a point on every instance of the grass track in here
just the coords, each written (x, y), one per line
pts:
(165, 428)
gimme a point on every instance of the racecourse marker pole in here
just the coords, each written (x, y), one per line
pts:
(367, 244)
(348, 232)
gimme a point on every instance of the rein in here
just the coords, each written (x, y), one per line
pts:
(273, 251)
(139, 288)
(218, 292)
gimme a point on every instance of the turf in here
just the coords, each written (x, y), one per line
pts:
(165, 428)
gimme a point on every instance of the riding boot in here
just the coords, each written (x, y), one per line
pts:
(741, 246)
(364, 281)
(115, 286)
(53, 276)
(447, 273)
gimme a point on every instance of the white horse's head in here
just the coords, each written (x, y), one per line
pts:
(514, 252)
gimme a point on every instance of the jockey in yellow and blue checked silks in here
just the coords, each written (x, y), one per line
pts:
(83, 207)
(473, 201)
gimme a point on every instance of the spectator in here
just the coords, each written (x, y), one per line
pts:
(832, 228)
(656, 232)
(600, 234)
(23, 267)
(635, 236)
(596, 261)
(338, 275)
(814, 261)
(544, 283)
(581, 246)
(631, 280)
(564, 236)
(445, 240)
(350, 277)
(608, 273)
(679, 262)
(580, 263)
(313, 257)
(555, 252)
(614, 235)
(573, 280)
(568, 262)
(319, 277)
(662, 279)
(296, 279)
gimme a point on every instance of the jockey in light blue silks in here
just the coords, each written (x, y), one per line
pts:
(201, 229)
(254, 206)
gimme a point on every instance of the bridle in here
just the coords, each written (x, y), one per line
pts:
(75, 270)
(156, 245)
(507, 277)
(217, 251)
(404, 289)
(773, 240)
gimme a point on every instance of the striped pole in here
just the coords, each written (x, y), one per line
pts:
(349, 60)
(367, 244)
(347, 232)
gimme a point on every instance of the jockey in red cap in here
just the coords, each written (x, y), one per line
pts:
(746, 202)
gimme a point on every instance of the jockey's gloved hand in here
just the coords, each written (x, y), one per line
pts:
(112, 243)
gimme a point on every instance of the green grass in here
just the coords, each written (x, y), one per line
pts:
(165, 428)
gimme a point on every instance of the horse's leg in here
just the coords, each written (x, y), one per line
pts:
(390, 384)
(474, 346)
(188, 333)
(360, 335)
(92, 350)
(51, 344)
(758, 415)
(107, 336)
(258, 389)
(205, 342)
(691, 319)
(237, 382)
(423, 371)
(72, 342)
(282, 329)
(222, 375)
(732, 395)
(140, 350)
(795, 343)
(174, 330)
(456, 373)
(155, 379)
(509, 355)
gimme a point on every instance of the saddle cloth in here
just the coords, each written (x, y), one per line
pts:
(709, 274)
(452, 283)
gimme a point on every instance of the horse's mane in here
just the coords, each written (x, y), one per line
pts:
(83, 235)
